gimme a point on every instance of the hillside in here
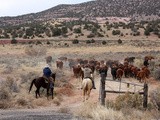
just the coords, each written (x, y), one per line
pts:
(135, 9)
(83, 30)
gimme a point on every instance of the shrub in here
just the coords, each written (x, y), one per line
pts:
(92, 111)
(57, 101)
(157, 74)
(64, 110)
(119, 41)
(76, 36)
(65, 35)
(128, 101)
(77, 30)
(146, 32)
(27, 77)
(66, 44)
(30, 42)
(34, 51)
(56, 31)
(22, 101)
(12, 85)
(75, 41)
(155, 98)
(104, 42)
(82, 34)
(48, 43)
(88, 41)
(93, 41)
(122, 34)
(4, 105)
(48, 59)
(13, 41)
(4, 94)
(90, 35)
(100, 35)
(116, 32)
(8, 69)
(38, 42)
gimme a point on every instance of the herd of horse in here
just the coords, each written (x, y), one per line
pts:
(118, 70)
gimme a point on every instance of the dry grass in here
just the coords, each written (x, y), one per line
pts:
(98, 112)
(155, 97)
(4, 94)
(11, 84)
(65, 91)
(57, 101)
(7, 70)
(96, 49)
(135, 114)
(64, 110)
(156, 74)
(41, 102)
(35, 51)
(4, 104)
(28, 76)
(22, 102)
(128, 101)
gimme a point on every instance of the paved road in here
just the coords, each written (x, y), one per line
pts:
(35, 115)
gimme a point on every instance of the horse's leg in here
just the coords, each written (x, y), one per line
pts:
(52, 92)
(48, 87)
(120, 78)
(36, 92)
(145, 80)
(83, 95)
(47, 93)
(88, 94)
(39, 93)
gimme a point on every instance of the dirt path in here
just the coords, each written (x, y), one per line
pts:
(34, 114)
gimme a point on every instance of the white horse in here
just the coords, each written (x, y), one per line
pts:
(86, 87)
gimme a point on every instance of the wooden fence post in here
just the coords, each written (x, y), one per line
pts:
(102, 89)
(145, 96)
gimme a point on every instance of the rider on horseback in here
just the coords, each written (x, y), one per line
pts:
(47, 71)
(88, 74)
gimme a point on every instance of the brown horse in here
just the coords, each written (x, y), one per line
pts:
(86, 87)
(41, 82)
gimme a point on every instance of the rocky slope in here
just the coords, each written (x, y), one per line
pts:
(88, 10)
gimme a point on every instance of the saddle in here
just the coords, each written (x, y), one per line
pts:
(46, 79)
(51, 85)
(87, 77)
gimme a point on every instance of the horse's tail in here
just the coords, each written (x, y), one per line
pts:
(33, 81)
(84, 84)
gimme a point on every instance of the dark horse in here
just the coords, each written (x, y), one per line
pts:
(41, 82)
